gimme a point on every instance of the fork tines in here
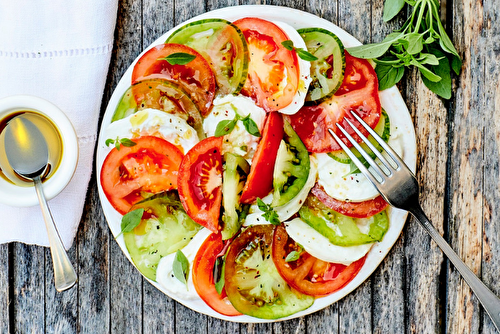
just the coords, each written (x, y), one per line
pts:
(377, 174)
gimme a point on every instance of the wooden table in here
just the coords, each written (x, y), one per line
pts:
(414, 290)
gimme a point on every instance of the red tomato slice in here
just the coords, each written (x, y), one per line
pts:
(200, 182)
(270, 64)
(196, 77)
(203, 276)
(352, 209)
(149, 167)
(310, 275)
(358, 92)
(260, 179)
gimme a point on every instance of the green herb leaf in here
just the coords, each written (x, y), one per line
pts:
(388, 75)
(443, 87)
(225, 127)
(251, 126)
(269, 214)
(305, 55)
(369, 51)
(109, 142)
(392, 8)
(293, 256)
(179, 58)
(219, 284)
(130, 221)
(180, 267)
(127, 142)
(415, 43)
(288, 44)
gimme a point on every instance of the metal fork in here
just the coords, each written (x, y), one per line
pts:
(399, 187)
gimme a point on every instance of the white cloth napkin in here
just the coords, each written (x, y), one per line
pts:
(58, 50)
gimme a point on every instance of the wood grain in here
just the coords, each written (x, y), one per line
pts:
(5, 297)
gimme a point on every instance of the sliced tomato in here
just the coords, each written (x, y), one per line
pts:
(253, 284)
(260, 180)
(196, 77)
(273, 71)
(363, 209)
(308, 274)
(200, 182)
(358, 92)
(133, 173)
(203, 276)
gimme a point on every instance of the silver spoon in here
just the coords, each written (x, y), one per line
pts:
(28, 154)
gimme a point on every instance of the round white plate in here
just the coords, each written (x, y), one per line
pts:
(391, 101)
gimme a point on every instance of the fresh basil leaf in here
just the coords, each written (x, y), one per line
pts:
(117, 144)
(179, 58)
(127, 142)
(269, 214)
(415, 43)
(443, 87)
(251, 126)
(456, 64)
(428, 59)
(427, 73)
(369, 51)
(288, 44)
(388, 75)
(109, 142)
(131, 220)
(392, 8)
(180, 267)
(293, 256)
(304, 55)
(224, 127)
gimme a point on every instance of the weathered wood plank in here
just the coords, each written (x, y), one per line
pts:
(93, 266)
(29, 288)
(296, 326)
(61, 308)
(423, 258)
(466, 166)
(491, 229)
(355, 310)
(5, 298)
(324, 321)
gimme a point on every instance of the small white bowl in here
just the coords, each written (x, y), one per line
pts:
(14, 195)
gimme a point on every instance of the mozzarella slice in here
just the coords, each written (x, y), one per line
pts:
(165, 273)
(304, 70)
(239, 141)
(320, 247)
(153, 122)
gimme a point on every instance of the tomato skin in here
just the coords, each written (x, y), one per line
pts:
(196, 77)
(308, 274)
(270, 63)
(150, 166)
(358, 92)
(351, 209)
(203, 276)
(260, 180)
(200, 182)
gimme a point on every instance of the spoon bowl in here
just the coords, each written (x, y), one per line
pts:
(27, 152)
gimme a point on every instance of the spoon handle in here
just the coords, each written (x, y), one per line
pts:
(64, 273)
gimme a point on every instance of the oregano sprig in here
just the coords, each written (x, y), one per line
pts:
(120, 141)
(225, 127)
(303, 54)
(269, 214)
(422, 42)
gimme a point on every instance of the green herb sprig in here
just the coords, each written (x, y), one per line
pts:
(303, 54)
(226, 126)
(269, 214)
(118, 142)
(130, 221)
(180, 267)
(422, 42)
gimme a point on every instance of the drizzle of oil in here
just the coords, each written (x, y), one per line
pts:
(54, 143)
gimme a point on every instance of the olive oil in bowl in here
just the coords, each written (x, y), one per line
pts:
(54, 142)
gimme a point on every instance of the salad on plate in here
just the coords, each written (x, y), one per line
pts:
(219, 178)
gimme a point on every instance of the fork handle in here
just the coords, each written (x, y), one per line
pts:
(488, 299)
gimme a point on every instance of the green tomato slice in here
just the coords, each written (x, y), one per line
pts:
(327, 72)
(223, 45)
(342, 230)
(164, 228)
(252, 282)
(161, 95)
(291, 168)
(236, 169)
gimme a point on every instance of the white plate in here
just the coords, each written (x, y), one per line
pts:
(391, 101)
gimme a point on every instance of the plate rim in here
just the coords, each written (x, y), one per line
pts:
(391, 100)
